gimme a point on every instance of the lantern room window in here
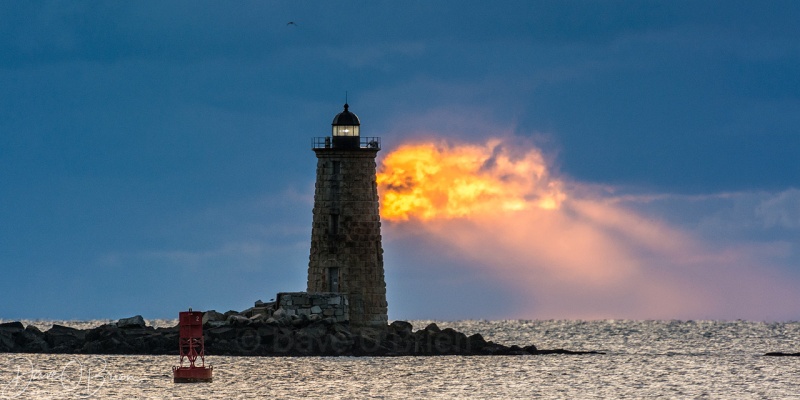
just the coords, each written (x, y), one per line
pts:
(345, 130)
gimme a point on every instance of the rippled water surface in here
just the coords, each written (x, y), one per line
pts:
(644, 359)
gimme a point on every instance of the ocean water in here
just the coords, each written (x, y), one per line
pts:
(644, 359)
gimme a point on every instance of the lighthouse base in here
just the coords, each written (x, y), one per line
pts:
(191, 374)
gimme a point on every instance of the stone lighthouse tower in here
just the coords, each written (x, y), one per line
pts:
(346, 252)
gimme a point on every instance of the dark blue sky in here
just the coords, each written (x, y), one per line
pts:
(156, 156)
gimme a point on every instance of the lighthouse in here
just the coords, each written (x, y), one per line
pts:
(346, 253)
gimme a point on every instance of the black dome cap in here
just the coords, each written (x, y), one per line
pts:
(346, 117)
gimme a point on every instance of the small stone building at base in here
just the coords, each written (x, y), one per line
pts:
(313, 305)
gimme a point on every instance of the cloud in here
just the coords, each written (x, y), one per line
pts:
(745, 216)
(430, 180)
(782, 210)
(567, 250)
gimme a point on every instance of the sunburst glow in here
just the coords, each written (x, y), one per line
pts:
(564, 249)
(439, 180)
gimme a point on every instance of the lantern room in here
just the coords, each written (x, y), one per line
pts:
(345, 129)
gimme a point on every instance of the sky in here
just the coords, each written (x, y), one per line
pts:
(540, 160)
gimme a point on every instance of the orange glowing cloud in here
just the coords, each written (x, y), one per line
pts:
(567, 251)
(437, 180)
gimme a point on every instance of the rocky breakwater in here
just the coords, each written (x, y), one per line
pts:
(126, 336)
(240, 334)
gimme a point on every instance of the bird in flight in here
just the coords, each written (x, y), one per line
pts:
(291, 23)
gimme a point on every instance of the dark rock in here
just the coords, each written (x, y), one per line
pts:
(257, 318)
(422, 342)
(12, 327)
(222, 332)
(265, 311)
(57, 329)
(531, 349)
(491, 348)
(103, 332)
(31, 340)
(516, 351)
(394, 343)
(119, 347)
(310, 342)
(339, 344)
(213, 316)
(7, 343)
(368, 346)
(267, 333)
(280, 314)
(148, 343)
(476, 342)
(132, 322)
(223, 347)
(781, 354)
(267, 308)
(291, 336)
(63, 339)
(299, 321)
(168, 330)
(34, 344)
(314, 317)
(562, 351)
(402, 328)
(454, 341)
(93, 348)
(137, 332)
(237, 319)
(33, 329)
(315, 330)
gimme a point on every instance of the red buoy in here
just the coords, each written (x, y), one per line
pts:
(191, 346)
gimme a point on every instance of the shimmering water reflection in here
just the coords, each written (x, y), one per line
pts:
(664, 359)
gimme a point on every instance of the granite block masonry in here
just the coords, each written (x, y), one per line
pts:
(346, 253)
(313, 305)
